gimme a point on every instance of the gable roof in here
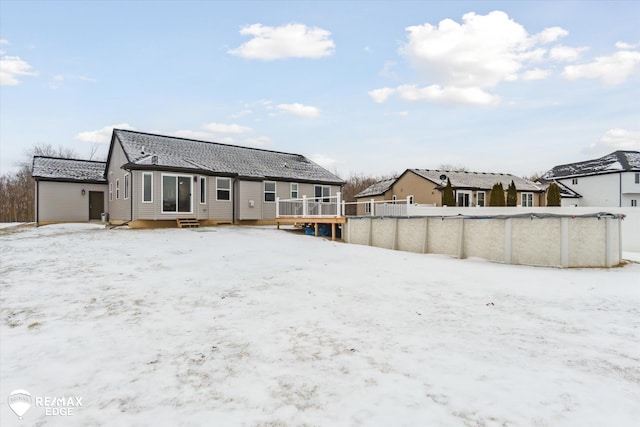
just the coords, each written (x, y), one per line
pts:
(618, 161)
(475, 180)
(377, 189)
(69, 170)
(159, 152)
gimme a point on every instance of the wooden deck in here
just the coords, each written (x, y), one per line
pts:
(316, 221)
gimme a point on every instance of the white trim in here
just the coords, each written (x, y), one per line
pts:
(117, 188)
(151, 182)
(264, 187)
(203, 189)
(218, 178)
(469, 194)
(322, 197)
(522, 200)
(291, 191)
(126, 186)
(176, 212)
(111, 191)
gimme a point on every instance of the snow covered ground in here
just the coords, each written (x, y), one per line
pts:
(252, 326)
(10, 224)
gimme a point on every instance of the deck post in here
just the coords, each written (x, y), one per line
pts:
(373, 206)
(333, 231)
(305, 207)
(277, 207)
(338, 203)
(315, 224)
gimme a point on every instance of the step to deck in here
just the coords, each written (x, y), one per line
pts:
(187, 223)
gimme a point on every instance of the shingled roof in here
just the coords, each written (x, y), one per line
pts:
(476, 180)
(150, 151)
(618, 161)
(69, 170)
(376, 189)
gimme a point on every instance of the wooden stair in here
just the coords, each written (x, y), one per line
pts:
(187, 223)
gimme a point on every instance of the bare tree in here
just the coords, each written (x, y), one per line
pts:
(453, 168)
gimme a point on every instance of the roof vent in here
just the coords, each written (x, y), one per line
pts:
(443, 177)
(142, 151)
(154, 160)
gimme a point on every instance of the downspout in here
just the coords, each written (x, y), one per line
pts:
(233, 201)
(130, 193)
(620, 192)
(37, 201)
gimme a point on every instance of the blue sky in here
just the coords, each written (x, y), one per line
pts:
(360, 87)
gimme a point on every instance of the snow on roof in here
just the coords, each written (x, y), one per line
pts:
(376, 189)
(55, 168)
(476, 180)
(617, 161)
(147, 150)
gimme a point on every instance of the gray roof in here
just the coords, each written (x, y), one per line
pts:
(376, 189)
(618, 161)
(150, 151)
(59, 169)
(476, 180)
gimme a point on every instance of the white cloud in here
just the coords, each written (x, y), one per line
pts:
(102, 135)
(447, 95)
(300, 110)
(387, 70)
(382, 94)
(612, 70)
(4, 42)
(566, 54)
(225, 128)
(462, 61)
(58, 79)
(259, 141)
(286, 41)
(617, 139)
(324, 161)
(535, 74)
(11, 68)
(626, 46)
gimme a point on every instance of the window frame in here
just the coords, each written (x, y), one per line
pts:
(484, 199)
(292, 191)
(218, 189)
(144, 175)
(118, 189)
(637, 178)
(634, 203)
(322, 198)
(574, 181)
(522, 199)
(111, 191)
(264, 187)
(176, 176)
(203, 190)
(126, 186)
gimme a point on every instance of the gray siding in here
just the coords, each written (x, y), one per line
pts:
(63, 201)
(220, 209)
(119, 207)
(250, 191)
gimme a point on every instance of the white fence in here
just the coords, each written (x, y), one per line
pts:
(316, 207)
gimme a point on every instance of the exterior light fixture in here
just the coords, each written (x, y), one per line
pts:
(83, 192)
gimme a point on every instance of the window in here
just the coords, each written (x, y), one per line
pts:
(574, 181)
(367, 207)
(463, 198)
(637, 178)
(410, 199)
(394, 199)
(203, 190)
(117, 189)
(126, 186)
(527, 200)
(269, 191)
(480, 195)
(634, 203)
(147, 187)
(176, 193)
(111, 191)
(294, 190)
(322, 192)
(223, 189)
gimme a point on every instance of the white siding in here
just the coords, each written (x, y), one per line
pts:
(119, 209)
(597, 190)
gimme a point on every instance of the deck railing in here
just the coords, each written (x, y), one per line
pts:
(308, 207)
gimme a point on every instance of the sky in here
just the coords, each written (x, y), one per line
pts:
(360, 87)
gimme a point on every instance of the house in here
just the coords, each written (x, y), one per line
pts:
(425, 186)
(68, 190)
(611, 180)
(153, 180)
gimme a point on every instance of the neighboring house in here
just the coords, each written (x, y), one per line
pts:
(158, 178)
(612, 180)
(69, 190)
(470, 188)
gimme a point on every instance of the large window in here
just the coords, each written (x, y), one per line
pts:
(322, 192)
(269, 191)
(527, 200)
(126, 186)
(294, 190)
(147, 187)
(203, 190)
(223, 188)
(176, 194)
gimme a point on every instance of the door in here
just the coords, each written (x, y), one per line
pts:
(96, 204)
(464, 198)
